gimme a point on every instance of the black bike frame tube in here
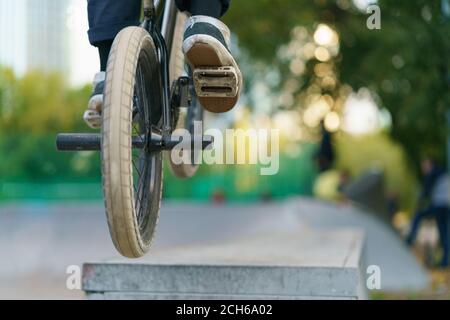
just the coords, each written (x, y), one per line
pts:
(169, 19)
(167, 22)
(164, 61)
(168, 25)
(167, 31)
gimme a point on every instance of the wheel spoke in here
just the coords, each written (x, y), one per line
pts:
(144, 97)
(138, 189)
(138, 133)
(142, 130)
(141, 187)
(137, 170)
(144, 162)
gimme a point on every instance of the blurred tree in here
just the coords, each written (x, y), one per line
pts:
(39, 103)
(32, 110)
(405, 65)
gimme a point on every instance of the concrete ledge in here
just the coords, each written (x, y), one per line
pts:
(300, 265)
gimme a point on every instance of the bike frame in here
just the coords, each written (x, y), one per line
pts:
(162, 34)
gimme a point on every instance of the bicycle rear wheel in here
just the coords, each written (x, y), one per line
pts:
(183, 117)
(132, 178)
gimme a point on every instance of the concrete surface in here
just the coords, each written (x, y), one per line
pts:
(400, 271)
(294, 265)
(39, 241)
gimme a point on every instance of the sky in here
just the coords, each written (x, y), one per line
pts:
(84, 57)
(14, 34)
(12, 41)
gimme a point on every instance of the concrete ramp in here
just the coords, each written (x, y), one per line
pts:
(400, 271)
(304, 264)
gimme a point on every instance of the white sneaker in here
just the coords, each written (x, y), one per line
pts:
(93, 115)
(217, 78)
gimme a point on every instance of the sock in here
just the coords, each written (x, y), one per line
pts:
(211, 8)
(104, 47)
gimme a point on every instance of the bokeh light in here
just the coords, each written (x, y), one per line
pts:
(325, 36)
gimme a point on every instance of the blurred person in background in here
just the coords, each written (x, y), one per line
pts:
(325, 156)
(433, 203)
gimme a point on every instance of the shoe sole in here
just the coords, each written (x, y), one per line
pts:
(202, 55)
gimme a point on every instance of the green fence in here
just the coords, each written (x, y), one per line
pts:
(245, 183)
(235, 183)
(36, 172)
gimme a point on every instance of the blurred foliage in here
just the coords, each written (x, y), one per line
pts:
(32, 110)
(405, 64)
(39, 103)
(327, 186)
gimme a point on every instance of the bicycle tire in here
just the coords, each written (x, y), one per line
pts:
(132, 83)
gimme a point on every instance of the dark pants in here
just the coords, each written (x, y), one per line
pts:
(441, 214)
(108, 17)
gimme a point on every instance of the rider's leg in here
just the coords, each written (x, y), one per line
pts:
(418, 218)
(106, 19)
(206, 47)
(442, 219)
(211, 8)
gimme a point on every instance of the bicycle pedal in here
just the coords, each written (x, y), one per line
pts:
(221, 82)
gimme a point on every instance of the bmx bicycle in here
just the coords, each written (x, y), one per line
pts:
(140, 113)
